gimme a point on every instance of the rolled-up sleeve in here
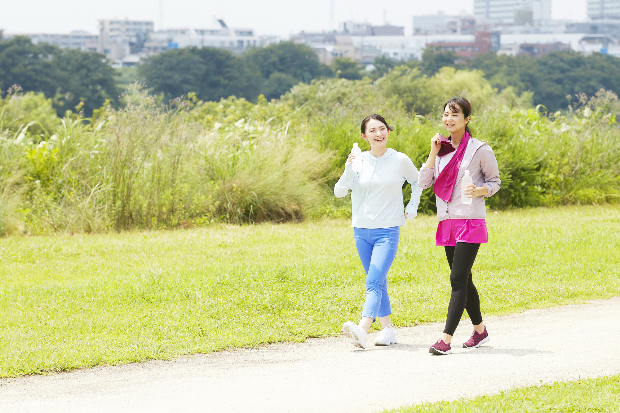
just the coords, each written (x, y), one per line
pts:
(490, 170)
(341, 189)
(426, 177)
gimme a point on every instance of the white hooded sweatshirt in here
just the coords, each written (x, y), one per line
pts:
(376, 191)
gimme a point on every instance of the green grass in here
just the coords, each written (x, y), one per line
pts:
(74, 301)
(583, 396)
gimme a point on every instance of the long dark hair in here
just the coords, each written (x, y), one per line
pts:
(375, 117)
(459, 104)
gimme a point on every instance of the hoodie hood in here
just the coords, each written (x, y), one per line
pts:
(387, 155)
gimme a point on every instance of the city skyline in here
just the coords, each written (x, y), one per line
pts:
(269, 17)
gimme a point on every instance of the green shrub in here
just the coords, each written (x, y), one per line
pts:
(148, 165)
(30, 112)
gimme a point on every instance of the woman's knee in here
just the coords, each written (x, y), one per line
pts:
(375, 285)
(458, 281)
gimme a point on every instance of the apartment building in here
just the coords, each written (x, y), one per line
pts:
(81, 40)
(483, 42)
(513, 11)
(603, 9)
(119, 38)
(353, 28)
(442, 23)
(234, 39)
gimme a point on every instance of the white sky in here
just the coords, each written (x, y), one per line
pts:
(277, 17)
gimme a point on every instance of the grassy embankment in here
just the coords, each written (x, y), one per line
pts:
(85, 300)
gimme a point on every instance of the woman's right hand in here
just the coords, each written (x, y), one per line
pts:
(435, 144)
(350, 158)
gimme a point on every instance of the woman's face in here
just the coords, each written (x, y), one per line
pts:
(376, 134)
(453, 120)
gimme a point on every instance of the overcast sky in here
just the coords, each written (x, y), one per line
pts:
(277, 17)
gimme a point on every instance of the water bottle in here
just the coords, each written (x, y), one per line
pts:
(465, 182)
(357, 162)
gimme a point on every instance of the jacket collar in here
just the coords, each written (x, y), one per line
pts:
(472, 147)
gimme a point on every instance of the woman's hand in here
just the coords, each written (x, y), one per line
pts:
(435, 144)
(471, 191)
(351, 158)
(435, 147)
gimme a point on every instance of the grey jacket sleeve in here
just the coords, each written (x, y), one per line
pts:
(426, 177)
(490, 170)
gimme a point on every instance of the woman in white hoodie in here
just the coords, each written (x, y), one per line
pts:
(377, 198)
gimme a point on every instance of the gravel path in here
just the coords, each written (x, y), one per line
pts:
(329, 375)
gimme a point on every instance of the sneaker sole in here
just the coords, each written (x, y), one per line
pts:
(355, 339)
(484, 340)
(433, 350)
(394, 341)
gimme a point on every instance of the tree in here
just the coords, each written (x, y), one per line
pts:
(296, 60)
(83, 78)
(278, 84)
(347, 68)
(553, 76)
(383, 65)
(27, 65)
(66, 75)
(570, 73)
(434, 58)
(211, 73)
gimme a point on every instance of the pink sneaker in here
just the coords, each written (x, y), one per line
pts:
(477, 339)
(440, 348)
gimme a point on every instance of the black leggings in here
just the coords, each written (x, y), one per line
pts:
(464, 294)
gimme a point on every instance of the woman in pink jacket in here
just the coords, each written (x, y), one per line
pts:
(462, 227)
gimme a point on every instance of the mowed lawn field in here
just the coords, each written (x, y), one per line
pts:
(585, 396)
(85, 300)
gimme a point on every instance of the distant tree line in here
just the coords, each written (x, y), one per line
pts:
(69, 77)
(85, 80)
(552, 77)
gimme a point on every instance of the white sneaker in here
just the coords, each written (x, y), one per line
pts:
(358, 336)
(386, 337)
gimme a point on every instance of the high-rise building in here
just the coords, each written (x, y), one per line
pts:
(604, 9)
(513, 11)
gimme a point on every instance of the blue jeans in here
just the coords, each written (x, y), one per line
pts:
(377, 249)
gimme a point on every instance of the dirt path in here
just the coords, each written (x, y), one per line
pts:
(328, 375)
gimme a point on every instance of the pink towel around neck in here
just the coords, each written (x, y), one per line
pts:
(444, 184)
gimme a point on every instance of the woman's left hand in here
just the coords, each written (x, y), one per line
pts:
(473, 190)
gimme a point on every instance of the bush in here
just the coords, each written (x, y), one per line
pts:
(30, 111)
(148, 165)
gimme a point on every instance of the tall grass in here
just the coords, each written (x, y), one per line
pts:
(152, 166)
(187, 163)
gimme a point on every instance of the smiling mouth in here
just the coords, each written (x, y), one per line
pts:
(379, 139)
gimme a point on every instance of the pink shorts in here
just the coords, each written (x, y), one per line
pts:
(451, 231)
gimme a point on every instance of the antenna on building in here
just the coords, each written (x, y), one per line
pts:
(332, 20)
(161, 14)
